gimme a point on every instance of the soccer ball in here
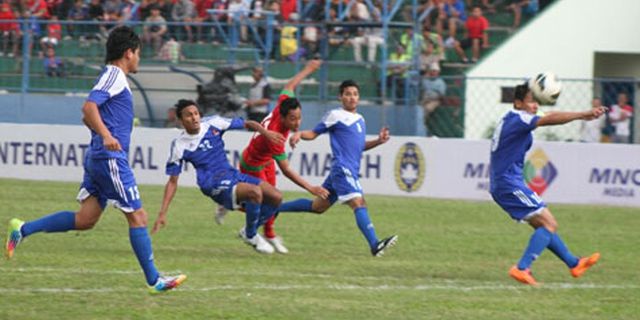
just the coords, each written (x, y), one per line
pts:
(545, 88)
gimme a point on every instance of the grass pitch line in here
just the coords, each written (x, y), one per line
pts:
(335, 287)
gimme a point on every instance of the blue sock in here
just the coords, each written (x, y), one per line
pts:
(56, 222)
(141, 245)
(557, 246)
(252, 211)
(266, 212)
(365, 225)
(540, 239)
(299, 205)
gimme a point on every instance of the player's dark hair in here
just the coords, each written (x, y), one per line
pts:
(348, 83)
(120, 40)
(182, 104)
(289, 104)
(521, 91)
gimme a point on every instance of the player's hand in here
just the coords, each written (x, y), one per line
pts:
(595, 113)
(160, 223)
(275, 137)
(319, 191)
(314, 64)
(295, 138)
(384, 135)
(111, 143)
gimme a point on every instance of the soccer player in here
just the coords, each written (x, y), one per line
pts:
(347, 134)
(511, 140)
(108, 112)
(258, 158)
(201, 144)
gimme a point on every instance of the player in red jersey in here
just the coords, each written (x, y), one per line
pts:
(258, 158)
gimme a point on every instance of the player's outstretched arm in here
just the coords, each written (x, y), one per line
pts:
(304, 135)
(169, 191)
(562, 117)
(383, 137)
(272, 136)
(91, 118)
(309, 68)
(317, 191)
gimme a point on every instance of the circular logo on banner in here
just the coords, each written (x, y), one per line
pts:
(409, 167)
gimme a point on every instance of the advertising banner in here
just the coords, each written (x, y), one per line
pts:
(405, 166)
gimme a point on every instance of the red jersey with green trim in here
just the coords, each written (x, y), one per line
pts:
(260, 151)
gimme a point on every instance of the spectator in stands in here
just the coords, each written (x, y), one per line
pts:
(399, 63)
(238, 13)
(433, 49)
(620, 116)
(452, 13)
(55, 8)
(183, 11)
(129, 12)
(412, 41)
(35, 11)
(591, 131)
(287, 7)
(433, 90)
(79, 12)
(154, 29)
(112, 15)
(166, 7)
(53, 66)
(477, 36)
(202, 16)
(257, 105)
(529, 7)
(423, 6)
(372, 37)
(171, 51)
(97, 14)
(10, 30)
(53, 36)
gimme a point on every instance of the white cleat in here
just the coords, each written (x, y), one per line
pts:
(257, 242)
(278, 245)
(221, 212)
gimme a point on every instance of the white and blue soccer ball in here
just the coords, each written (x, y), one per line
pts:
(545, 88)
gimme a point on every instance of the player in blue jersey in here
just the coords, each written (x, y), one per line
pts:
(347, 134)
(108, 112)
(511, 139)
(201, 144)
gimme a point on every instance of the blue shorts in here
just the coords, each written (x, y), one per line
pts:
(112, 182)
(342, 185)
(222, 187)
(519, 202)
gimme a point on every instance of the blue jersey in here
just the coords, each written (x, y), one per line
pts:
(115, 103)
(205, 150)
(511, 139)
(347, 135)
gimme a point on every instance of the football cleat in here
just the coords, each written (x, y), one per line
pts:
(523, 276)
(14, 236)
(221, 212)
(257, 242)
(165, 283)
(584, 264)
(378, 251)
(277, 244)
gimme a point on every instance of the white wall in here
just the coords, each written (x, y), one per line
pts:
(564, 39)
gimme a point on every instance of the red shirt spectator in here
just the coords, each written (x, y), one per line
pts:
(6, 13)
(476, 26)
(287, 7)
(201, 8)
(38, 8)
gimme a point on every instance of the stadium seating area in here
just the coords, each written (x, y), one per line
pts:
(82, 56)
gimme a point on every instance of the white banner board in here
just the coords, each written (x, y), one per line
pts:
(406, 166)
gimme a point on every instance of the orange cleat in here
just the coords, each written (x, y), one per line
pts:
(584, 264)
(523, 276)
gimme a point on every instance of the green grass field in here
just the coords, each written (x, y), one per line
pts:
(451, 262)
